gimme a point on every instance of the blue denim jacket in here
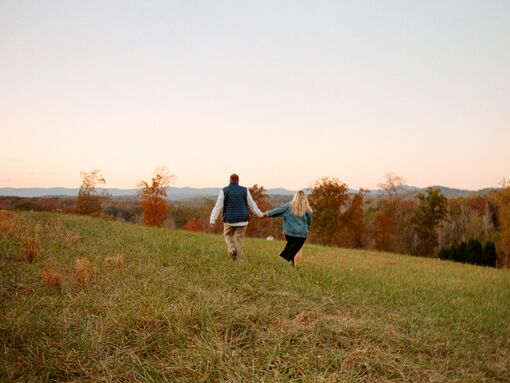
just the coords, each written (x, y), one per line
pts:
(293, 225)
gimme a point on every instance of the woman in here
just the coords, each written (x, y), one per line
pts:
(297, 218)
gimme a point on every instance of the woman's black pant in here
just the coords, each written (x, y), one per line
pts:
(294, 244)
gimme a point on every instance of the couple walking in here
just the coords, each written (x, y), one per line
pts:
(235, 200)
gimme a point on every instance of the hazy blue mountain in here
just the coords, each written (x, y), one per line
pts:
(452, 192)
(187, 193)
(174, 193)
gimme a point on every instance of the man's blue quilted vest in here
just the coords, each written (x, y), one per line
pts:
(235, 205)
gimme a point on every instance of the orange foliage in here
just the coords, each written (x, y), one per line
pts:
(194, 224)
(385, 227)
(88, 202)
(478, 204)
(392, 228)
(353, 232)
(257, 227)
(503, 244)
(153, 198)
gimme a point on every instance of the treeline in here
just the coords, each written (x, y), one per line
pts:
(473, 229)
(471, 252)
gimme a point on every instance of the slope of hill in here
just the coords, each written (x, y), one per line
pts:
(145, 304)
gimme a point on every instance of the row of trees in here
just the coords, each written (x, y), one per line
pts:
(472, 252)
(152, 194)
(426, 224)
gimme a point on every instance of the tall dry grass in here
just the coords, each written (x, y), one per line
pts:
(85, 272)
(52, 278)
(32, 247)
(180, 310)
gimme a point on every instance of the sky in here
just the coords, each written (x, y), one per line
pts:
(281, 92)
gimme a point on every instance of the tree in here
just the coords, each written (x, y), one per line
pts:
(88, 202)
(474, 252)
(431, 211)
(257, 227)
(392, 227)
(471, 252)
(385, 227)
(153, 198)
(489, 254)
(386, 222)
(393, 185)
(354, 230)
(503, 220)
(328, 200)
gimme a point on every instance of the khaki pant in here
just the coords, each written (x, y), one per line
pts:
(234, 236)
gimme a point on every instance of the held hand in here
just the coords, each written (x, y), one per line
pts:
(211, 225)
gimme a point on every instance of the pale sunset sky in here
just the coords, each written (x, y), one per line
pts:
(281, 92)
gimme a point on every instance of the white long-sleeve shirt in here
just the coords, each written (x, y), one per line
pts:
(219, 205)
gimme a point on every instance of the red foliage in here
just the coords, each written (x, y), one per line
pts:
(261, 228)
(195, 224)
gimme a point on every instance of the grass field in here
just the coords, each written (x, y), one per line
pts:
(105, 301)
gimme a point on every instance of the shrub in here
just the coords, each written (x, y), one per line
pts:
(195, 224)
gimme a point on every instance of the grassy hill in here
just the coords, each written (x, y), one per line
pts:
(145, 304)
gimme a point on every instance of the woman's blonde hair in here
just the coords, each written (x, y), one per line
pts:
(299, 204)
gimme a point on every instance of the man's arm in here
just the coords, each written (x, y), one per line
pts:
(217, 208)
(253, 206)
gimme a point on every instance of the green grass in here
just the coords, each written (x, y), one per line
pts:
(180, 310)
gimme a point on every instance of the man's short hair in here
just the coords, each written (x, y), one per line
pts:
(234, 178)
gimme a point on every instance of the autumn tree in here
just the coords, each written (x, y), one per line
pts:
(468, 217)
(88, 201)
(153, 198)
(257, 227)
(432, 210)
(393, 186)
(389, 221)
(328, 200)
(384, 227)
(353, 230)
(503, 215)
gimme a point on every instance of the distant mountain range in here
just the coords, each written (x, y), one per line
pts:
(186, 193)
(174, 193)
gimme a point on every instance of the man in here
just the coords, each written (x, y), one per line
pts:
(235, 201)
